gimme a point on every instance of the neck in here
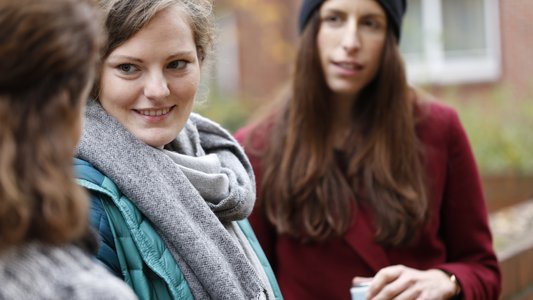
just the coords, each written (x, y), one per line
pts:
(342, 124)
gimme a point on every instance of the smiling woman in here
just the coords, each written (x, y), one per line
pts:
(149, 82)
(170, 190)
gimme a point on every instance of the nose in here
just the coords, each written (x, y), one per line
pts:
(156, 86)
(350, 40)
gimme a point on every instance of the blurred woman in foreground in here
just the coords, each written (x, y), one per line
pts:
(48, 51)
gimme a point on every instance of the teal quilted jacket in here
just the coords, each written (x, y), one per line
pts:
(131, 248)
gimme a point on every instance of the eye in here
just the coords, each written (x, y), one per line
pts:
(371, 23)
(127, 68)
(177, 64)
(332, 19)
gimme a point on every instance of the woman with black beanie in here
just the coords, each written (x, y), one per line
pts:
(363, 178)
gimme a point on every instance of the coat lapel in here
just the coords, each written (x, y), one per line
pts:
(360, 236)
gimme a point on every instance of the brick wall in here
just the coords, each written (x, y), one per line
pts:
(517, 42)
(513, 242)
(267, 36)
(517, 275)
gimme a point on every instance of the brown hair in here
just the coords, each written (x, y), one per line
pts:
(124, 18)
(48, 51)
(308, 195)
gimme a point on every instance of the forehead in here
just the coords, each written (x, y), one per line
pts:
(353, 6)
(169, 19)
(169, 27)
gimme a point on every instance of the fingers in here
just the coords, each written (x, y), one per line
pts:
(404, 283)
(358, 280)
(382, 280)
(410, 293)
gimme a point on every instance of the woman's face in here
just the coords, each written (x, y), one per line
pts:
(350, 42)
(149, 83)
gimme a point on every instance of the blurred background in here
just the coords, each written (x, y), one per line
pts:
(472, 54)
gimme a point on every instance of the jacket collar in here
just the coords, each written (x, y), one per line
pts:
(360, 236)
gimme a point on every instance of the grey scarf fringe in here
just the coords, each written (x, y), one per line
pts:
(192, 228)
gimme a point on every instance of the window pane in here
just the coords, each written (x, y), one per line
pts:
(226, 68)
(464, 28)
(412, 38)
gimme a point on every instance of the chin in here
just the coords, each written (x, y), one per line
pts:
(345, 89)
(158, 142)
(158, 137)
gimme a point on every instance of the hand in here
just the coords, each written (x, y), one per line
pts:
(404, 283)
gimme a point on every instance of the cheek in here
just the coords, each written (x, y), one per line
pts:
(322, 47)
(376, 51)
(185, 88)
(115, 91)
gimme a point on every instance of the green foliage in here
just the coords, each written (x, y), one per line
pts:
(229, 113)
(499, 127)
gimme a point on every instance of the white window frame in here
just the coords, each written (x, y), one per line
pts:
(227, 66)
(433, 67)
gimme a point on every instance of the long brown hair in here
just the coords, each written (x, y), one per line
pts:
(48, 52)
(304, 191)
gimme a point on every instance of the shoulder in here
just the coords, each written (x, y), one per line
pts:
(92, 281)
(93, 180)
(85, 171)
(436, 121)
(255, 135)
(61, 272)
(242, 133)
(432, 111)
(100, 188)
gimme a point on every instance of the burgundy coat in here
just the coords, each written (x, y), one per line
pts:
(457, 239)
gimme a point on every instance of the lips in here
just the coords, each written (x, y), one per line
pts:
(349, 66)
(154, 112)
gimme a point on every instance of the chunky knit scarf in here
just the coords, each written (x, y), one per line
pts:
(191, 225)
(37, 271)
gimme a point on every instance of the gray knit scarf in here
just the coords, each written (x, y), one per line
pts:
(191, 227)
(36, 271)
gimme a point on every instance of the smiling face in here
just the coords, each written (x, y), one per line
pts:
(350, 42)
(149, 82)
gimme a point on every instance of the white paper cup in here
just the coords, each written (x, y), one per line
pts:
(358, 291)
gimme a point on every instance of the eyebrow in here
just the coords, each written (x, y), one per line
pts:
(138, 60)
(181, 54)
(125, 57)
(377, 15)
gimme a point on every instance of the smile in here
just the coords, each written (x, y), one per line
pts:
(154, 112)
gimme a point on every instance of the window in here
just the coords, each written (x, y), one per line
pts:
(226, 66)
(451, 41)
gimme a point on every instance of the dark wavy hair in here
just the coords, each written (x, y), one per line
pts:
(305, 193)
(48, 51)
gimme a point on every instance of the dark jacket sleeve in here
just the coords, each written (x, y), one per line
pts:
(100, 223)
(465, 225)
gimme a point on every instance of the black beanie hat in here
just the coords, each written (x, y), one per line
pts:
(395, 10)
